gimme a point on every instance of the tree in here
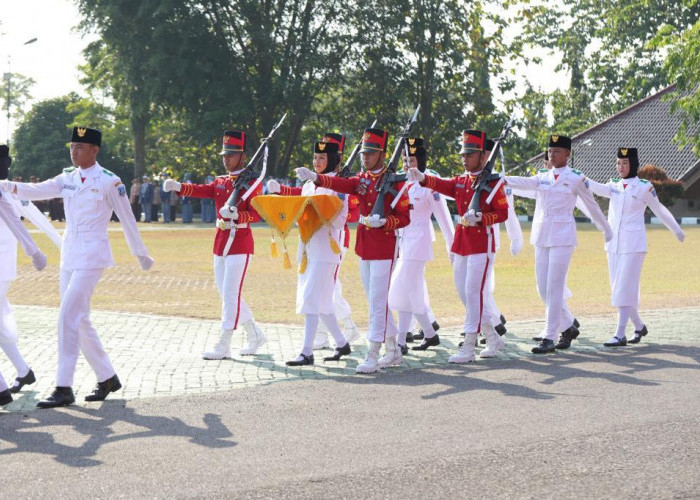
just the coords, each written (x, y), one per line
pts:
(667, 189)
(14, 93)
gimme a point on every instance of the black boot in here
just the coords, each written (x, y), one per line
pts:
(20, 382)
(544, 347)
(5, 397)
(104, 388)
(305, 360)
(638, 334)
(432, 341)
(61, 396)
(339, 351)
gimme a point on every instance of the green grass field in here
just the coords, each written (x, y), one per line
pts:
(182, 282)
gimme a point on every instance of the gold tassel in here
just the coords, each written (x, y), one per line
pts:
(303, 263)
(286, 260)
(274, 251)
(334, 245)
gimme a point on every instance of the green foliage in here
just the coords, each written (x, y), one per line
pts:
(19, 91)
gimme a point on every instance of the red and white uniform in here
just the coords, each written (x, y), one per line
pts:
(473, 246)
(229, 270)
(376, 247)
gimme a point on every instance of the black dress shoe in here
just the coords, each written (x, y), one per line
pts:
(566, 337)
(61, 396)
(616, 342)
(503, 319)
(404, 349)
(576, 323)
(435, 325)
(482, 339)
(5, 397)
(501, 329)
(638, 334)
(462, 334)
(339, 351)
(544, 347)
(305, 360)
(419, 336)
(409, 337)
(20, 382)
(104, 388)
(539, 338)
(432, 341)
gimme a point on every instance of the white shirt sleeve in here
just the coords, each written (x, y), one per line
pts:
(661, 211)
(119, 201)
(41, 191)
(599, 189)
(525, 183)
(513, 229)
(594, 212)
(444, 220)
(8, 215)
(31, 212)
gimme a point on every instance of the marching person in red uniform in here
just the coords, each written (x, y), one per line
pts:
(375, 245)
(474, 243)
(230, 269)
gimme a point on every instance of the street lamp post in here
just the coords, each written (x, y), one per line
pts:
(8, 77)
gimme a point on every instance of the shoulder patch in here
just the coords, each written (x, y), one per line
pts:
(543, 170)
(105, 171)
(614, 179)
(644, 181)
(436, 196)
(577, 172)
(68, 170)
(652, 191)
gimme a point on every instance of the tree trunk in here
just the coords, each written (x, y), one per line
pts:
(138, 127)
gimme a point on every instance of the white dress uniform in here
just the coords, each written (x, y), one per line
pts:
(554, 232)
(629, 199)
(11, 231)
(85, 253)
(315, 286)
(408, 294)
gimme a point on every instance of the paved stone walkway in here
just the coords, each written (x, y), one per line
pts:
(161, 356)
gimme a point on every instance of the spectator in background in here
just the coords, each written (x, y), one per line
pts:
(165, 202)
(134, 198)
(155, 203)
(208, 209)
(146, 198)
(186, 202)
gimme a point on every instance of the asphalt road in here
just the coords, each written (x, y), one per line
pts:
(623, 424)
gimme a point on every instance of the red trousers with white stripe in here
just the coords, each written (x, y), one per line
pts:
(230, 273)
(472, 274)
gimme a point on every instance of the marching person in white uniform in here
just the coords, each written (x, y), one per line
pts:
(90, 194)
(11, 231)
(629, 197)
(408, 294)
(554, 233)
(315, 282)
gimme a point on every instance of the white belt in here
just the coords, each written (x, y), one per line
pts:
(564, 213)
(227, 224)
(98, 232)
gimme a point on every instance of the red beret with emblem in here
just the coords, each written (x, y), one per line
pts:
(473, 140)
(373, 140)
(338, 139)
(233, 142)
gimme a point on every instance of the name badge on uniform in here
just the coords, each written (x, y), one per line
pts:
(459, 186)
(220, 186)
(70, 187)
(545, 183)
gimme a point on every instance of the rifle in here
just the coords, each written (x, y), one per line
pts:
(391, 178)
(487, 175)
(347, 168)
(246, 176)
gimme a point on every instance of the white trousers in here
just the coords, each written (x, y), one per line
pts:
(551, 268)
(75, 332)
(8, 325)
(315, 289)
(230, 272)
(376, 277)
(625, 275)
(3, 384)
(471, 274)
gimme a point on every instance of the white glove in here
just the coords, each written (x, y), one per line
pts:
(415, 175)
(680, 235)
(145, 262)
(472, 217)
(273, 187)
(171, 185)
(229, 212)
(305, 174)
(516, 246)
(372, 221)
(608, 235)
(7, 186)
(39, 260)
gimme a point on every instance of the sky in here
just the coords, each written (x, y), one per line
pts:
(52, 61)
